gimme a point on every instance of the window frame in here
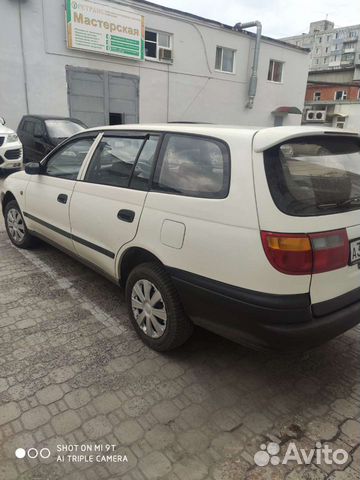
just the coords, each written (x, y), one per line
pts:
(170, 47)
(224, 193)
(142, 134)
(315, 94)
(272, 71)
(93, 156)
(344, 95)
(233, 71)
(64, 144)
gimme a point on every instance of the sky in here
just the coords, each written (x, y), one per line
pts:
(280, 18)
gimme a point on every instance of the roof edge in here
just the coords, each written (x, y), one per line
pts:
(215, 23)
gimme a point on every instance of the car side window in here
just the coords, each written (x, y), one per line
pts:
(113, 161)
(38, 128)
(28, 126)
(193, 166)
(66, 162)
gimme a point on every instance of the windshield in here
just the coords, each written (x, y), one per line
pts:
(315, 175)
(63, 128)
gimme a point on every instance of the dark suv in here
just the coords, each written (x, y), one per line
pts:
(39, 134)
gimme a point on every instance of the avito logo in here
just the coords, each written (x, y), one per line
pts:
(320, 454)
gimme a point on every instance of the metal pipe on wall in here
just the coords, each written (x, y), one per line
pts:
(254, 68)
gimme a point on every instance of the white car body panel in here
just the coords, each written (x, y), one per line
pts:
(41, 202)
(93, 215)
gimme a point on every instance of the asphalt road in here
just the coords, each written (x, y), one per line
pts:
(76, 381)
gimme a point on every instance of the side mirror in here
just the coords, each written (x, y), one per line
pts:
(33, 168)
(2, 121)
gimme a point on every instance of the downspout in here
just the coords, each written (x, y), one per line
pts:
(254, 68)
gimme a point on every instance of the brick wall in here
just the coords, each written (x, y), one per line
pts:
(328, 92)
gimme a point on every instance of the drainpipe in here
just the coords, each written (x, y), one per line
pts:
(254, 68)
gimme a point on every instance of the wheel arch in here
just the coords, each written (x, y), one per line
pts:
(6, 198)
(132, 257)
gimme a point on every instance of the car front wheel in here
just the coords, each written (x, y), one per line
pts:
(155, 309)
(15, 226)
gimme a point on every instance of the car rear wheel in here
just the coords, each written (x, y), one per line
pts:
(16, 228)
(155, 309)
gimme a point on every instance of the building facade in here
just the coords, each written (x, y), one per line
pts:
(189, 68)
(330, 47)
(336, 104)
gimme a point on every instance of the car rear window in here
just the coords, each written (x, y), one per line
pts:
(315, 175)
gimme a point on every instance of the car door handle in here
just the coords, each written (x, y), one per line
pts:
(62, 198)
(126, 215)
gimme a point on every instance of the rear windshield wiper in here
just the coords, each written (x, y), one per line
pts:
(349, 201)
(339, 204)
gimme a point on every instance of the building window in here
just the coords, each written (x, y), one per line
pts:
(320, 39)
(340, 95)
(325, 59)
(317, 96)
(316, 50)
(328, 38)
(275, 73)
(326, 49)
(225, 59)
(358, 95)
(154, 41)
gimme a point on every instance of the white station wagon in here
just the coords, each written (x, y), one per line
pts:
(251, 233)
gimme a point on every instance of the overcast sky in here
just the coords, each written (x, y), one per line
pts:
(280, 18)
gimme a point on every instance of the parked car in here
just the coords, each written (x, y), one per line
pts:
(39, 134)
(11, 154)
(252, 234)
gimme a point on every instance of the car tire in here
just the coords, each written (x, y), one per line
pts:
(16, 227)
(173, 327)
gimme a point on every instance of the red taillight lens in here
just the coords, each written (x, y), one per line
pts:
(300, 254)
(330, 250)
(288, 253)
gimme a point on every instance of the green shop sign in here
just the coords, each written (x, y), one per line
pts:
(102, 27)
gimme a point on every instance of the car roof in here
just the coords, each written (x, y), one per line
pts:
(263, 137)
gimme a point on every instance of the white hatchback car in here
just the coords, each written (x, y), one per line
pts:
(251, 233)
(11, 151)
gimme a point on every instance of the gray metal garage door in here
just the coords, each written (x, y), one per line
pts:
(102, 98)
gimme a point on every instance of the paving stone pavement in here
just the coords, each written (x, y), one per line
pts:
(72, 372)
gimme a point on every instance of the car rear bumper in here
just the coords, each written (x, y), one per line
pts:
(275, 322)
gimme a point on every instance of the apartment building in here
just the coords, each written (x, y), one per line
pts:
(330, 47)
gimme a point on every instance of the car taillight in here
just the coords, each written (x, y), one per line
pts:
(304, 254)
(330, 250)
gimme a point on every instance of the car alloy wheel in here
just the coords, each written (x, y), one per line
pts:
(148, 308)
(15, 225)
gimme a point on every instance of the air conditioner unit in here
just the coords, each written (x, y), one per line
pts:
(165, 54)
(316, 115)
